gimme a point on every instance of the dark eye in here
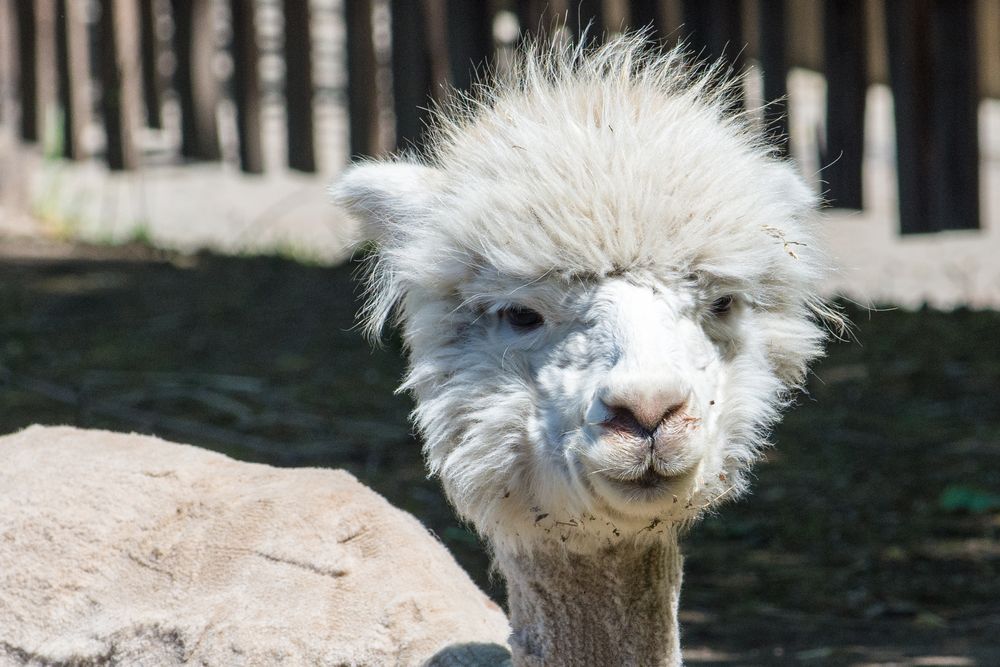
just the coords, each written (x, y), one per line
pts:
(519, 317)
(722, 305)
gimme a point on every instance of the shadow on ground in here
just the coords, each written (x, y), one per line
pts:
(872, 536)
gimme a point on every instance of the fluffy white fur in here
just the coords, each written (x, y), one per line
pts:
(611, 193)
(607, 284)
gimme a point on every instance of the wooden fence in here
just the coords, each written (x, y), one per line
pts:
(58, 50)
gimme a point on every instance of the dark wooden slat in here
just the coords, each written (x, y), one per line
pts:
(934, 84)
(907, 29)
(539, 18)
(712, 29)
(411, 72)
(436, 42)
(647, 14)
(8, 59)
(846, 75)
(362, 91)
(46, 68)
(27, 76)
(246, 85)
(954, 172)
(530, 17)
(194, 78)
(774, 64)
(71, 70)
(152, 85)
(470, 40)
(64, 89)
(120, 81)
(299, 85)
(586, 15)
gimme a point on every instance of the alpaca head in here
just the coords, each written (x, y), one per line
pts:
(607, 287)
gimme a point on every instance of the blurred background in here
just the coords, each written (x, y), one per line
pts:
(170, 264)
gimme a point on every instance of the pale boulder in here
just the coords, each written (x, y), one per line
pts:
(126, 549)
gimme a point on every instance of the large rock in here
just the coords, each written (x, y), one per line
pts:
(126, 549)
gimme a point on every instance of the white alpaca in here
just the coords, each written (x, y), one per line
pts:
(608, 289)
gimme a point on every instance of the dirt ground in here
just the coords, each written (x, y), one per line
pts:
(872, 535)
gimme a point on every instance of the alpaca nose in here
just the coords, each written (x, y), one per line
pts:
(640, 408)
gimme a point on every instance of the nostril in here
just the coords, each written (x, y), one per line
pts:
(623, 420)
(671, 412)
(641, 420)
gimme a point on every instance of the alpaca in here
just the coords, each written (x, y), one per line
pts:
(607, 286)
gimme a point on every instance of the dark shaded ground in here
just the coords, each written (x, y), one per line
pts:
(872, 537)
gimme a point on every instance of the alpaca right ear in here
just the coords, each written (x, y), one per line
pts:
(384, 195)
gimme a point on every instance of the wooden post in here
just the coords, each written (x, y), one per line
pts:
(435, 40)
(46, 70)
(411, 72)
(954, 174)
(27, 77)
(530, 14)
(647, 14)
(539, 18)
(587, 15)
(470, 40)
(8, 58)
(932, 52)
(119, 27)
(194, 79)
(712, 29)
(299, 85)
(362, 91)
(847, 83)
(246, 85)
(73, 77)
(774, 64)
(152, 85)
(908, 28)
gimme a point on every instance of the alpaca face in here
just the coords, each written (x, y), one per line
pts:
(626, 394)
(593, 409)
(607, 289)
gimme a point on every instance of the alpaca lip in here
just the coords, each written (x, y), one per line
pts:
(648, 482)
(648, 479)
(649, 486)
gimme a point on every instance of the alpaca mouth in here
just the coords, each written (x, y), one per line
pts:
(650, 485)
(647, 486)
(647, 480)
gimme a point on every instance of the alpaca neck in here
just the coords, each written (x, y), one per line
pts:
(614, 607)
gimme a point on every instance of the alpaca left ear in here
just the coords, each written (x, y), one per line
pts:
(384, 195)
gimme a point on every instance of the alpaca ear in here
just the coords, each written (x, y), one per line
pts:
(386, 194)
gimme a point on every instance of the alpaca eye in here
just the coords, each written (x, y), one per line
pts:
(722, 305)
(522, 318)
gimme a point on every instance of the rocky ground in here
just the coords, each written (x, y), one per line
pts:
(872, 535)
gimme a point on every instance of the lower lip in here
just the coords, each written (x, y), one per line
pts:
(649, 480)
(649, 486)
